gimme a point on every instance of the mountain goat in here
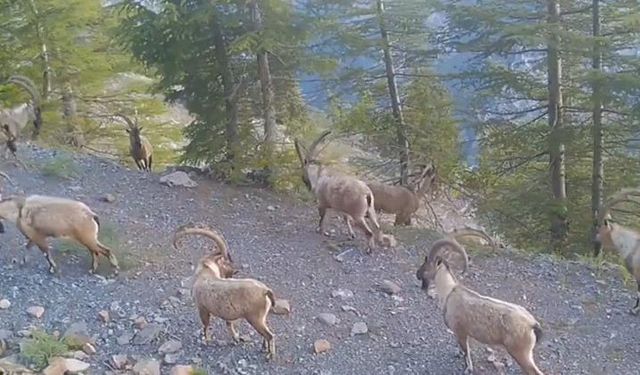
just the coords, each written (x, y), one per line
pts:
(346, 194)
(40, 216)
(16, 119)
(403, 201)
(624, 240)
(485, 319)
(139, 146)
(217, 294)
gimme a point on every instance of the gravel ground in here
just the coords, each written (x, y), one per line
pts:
(582, 309)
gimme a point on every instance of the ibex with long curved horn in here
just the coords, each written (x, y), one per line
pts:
(346, 194)
(14, 120)
(139, 146)
(625, 241)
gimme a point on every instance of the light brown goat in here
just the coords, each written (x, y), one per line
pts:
(488, 320)
(39, 216)
(624, 240)
(16, 119)
(403, 201)
(215, 293)
(346, 194)
(139, 146)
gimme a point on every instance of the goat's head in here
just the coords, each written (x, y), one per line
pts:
(430, 268)
(133, 129)
(216, 263)
(33, 108)
(604, 223)
(308, 159)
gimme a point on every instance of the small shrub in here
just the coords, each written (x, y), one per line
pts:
(199, 371)
(61, 166)
(41, 347)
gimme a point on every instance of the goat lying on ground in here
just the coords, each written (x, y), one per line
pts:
(488, 320)
(403, 201)
(346, 194)
(39, 216)
(139, 146)
(17, 118)
(215, 293)
(625, 241)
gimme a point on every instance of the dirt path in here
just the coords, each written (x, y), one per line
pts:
(582, 310)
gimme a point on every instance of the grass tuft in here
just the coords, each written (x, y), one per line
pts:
(42, 347)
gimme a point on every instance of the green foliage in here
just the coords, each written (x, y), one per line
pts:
(62, 166)
(41, 347)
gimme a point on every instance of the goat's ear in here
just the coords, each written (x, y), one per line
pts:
(127, 130)
(438, 261)
(140, 128)
(606, 223)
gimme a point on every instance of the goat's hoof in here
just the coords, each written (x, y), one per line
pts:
(468, 371)
(53, 270)
(634, 311)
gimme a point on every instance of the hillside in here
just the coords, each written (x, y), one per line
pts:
(582, 309)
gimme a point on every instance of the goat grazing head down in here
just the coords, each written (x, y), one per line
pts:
(219, 257)
(139, 146)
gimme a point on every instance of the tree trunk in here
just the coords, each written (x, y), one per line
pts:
(44, 52)
(597, 175)
(266, 87)
(401, 129)
(559, 223)
(229, 90)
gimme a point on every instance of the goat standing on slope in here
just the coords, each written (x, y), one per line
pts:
(485, 319)
(625, 241)
(403, 201)
(343, 193)
(139, 146)
(217, 294)
(40, 216)
(16, 119)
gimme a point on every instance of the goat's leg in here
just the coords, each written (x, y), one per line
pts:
(234, 333)
(107, 252)
(204, 318)
(636, 308)
(347, 218)
(260, 325)
(524, 357)
(41, 241)
(149, 163)
(463, 341)
(362, 224)
(322, 211)
(138, 163)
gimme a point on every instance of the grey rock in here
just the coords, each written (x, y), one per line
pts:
(359, 328)
(149, 333)
(327, 318)
(170, 346)
(178, 178)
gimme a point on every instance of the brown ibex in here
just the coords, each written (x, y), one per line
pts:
(17, 118)
(403, 201)
(139, 146)
(469, 314)
(346, 194)
(40, 216)
(217, 294)
(625, 241)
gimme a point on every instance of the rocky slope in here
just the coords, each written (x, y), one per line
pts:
(348, 300)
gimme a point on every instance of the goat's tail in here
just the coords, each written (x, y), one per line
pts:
(537, 330)
(271, 297)
(371, 212)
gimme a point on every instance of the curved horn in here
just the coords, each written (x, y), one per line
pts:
(440, 247)
(469, 231)
(209, 233)
(130, 123)
(621, 196)
(7, 178)
(27, 84)
(299, 150)
(312, 149)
